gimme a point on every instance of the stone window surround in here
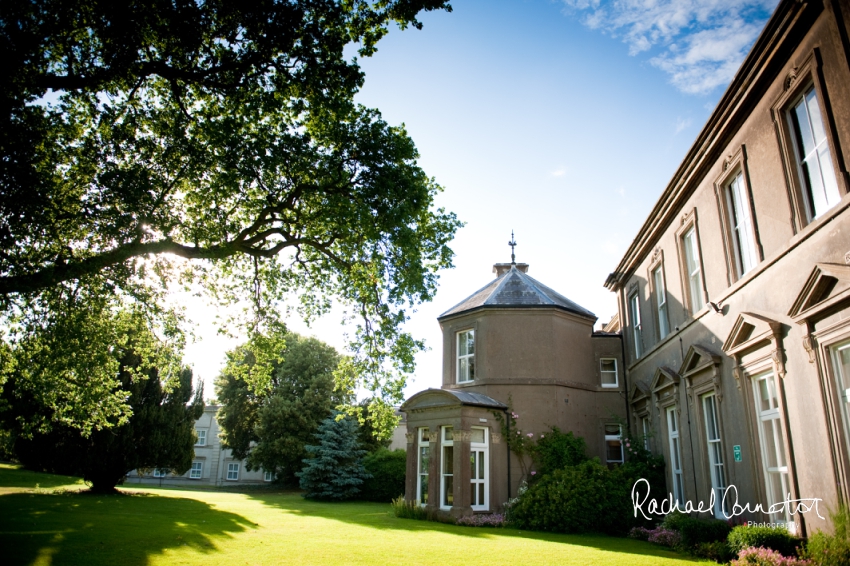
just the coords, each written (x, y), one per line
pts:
(799, 78)
(764, 353)
(819, 343)
(732, 166)
(636, 335)
(657, 262)
(454, 329)
(689, 220)
(665, 394)
(702, 379)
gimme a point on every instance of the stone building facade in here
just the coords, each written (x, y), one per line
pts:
(734, 297)
(513, 345)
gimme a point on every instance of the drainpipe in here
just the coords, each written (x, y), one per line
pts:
(688, 409)
(508, 446)
(625, 368)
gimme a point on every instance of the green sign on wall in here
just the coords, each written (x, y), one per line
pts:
(737, 451)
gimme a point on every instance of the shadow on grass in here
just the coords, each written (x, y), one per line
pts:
(82, 528)
(379, 516)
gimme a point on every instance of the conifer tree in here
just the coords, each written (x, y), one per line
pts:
(335, 469)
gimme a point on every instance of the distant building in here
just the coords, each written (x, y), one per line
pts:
(214, 465)
(734, 296)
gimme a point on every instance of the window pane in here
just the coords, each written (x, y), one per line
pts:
(481, 493)
(477, 435)
(769, 443)
(424, 453)
(471, 365)
(448, 433)
(463, 370)
(615, 450)
(448, 455)
(448, 496)
(481, 465)
(612, 430)
(423, 489)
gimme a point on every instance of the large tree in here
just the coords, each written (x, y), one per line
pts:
(160, 433)
(217, 142)
(271, 429)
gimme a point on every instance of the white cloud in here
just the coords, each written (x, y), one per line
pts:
(699, 43)
(682, 123)
(560, 172)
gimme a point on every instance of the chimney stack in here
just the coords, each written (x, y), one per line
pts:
(501, 268)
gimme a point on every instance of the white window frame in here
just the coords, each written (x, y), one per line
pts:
(465, 372)
(232, 471)
(196, 471)
(202, 437)
(817, 199)
(693, 269)
(609, 438)
(675, 447)
(268, 476)
(446, 475)
(772, 443)
(647, 431)
(843, 393)
(714, 446)
(660, 290)
(634, 320)
(161, 472)
(422, 466)
(604, 372)
(479, 460)
(741, 226)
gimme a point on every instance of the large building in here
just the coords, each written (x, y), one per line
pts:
(734, 297)
(214, 465)
(515, 345)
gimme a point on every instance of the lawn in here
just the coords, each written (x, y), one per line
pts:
(45, 519)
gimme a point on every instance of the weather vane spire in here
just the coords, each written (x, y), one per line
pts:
(512, 244)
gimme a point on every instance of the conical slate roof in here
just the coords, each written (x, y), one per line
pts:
(516, 289)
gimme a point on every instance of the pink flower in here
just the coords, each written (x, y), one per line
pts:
(533, 473)
(514, 415)
(541, 436)
(530, 435)
(628, 445)
(517, 432)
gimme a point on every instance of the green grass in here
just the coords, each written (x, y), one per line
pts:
(61, 525)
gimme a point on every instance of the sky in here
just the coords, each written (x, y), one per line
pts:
(562, 120)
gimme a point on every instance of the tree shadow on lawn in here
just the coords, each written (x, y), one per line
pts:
(84, 528)
(380, 516)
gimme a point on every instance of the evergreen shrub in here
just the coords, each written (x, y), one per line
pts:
(582, 498)
(335, 469)
(774, 538)
(831, 549)
(387, 469)
(557, 450)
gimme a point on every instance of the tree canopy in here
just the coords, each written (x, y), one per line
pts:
(214, 143)
(271, 429)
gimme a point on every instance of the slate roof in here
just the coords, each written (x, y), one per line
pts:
(439, 397)
(516, 289)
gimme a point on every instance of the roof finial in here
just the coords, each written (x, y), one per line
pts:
(512, 244)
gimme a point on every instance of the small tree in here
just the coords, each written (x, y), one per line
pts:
(160, 433)
(335, 469)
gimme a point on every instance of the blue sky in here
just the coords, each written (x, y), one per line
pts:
(560, 120)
